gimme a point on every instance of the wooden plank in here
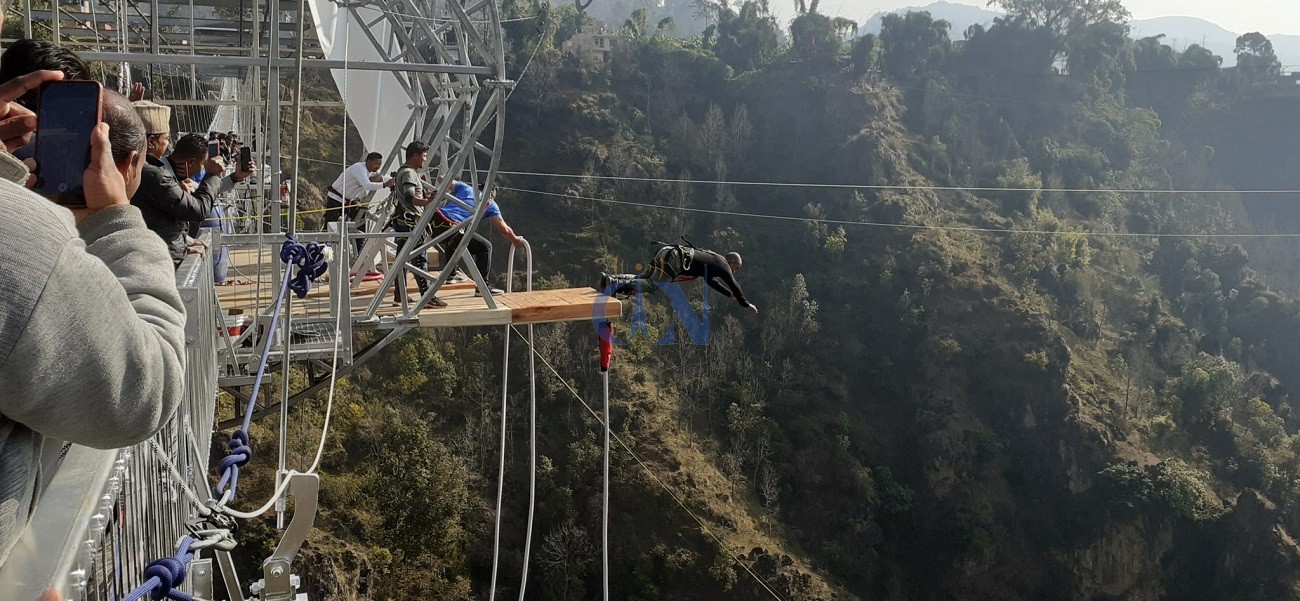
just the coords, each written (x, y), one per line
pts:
(573, 304)
(448, 317)
(552, 313)
(556, 297)
(534, 297)
(507, 300)
(613, 308)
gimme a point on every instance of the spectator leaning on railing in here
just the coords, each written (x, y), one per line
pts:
(91, 324)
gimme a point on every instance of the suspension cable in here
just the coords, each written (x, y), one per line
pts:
(529, 62)
(668, 180)
(902, 187)
(910, 226)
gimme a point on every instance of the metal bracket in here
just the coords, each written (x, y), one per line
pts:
(278, 584)
(202, 571)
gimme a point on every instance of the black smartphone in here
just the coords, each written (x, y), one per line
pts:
(214, 148)
(245, 158)
(66, 118)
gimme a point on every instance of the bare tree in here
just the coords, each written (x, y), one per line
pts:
(564, 556)
(762, 451)
(769, 487)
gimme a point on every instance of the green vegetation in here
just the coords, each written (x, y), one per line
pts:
(917, 413)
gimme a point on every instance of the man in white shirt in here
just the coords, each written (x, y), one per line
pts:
(347, 194)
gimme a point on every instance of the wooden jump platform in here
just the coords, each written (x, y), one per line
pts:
(242, 294)
(538, 306)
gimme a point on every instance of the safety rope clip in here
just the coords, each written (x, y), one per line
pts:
(215, 520)
(214, 538)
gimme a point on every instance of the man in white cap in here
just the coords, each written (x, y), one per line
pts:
(157, 125)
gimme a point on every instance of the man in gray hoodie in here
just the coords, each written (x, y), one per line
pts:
(91, 325)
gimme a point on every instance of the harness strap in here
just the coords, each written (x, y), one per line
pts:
(445, 219)
(672, 260)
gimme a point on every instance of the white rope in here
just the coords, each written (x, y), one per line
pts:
(532, 444)
(324, 435)
(604, 515)
(700, 522)
(284, 485)
(532, 452)
(911, 226)
(334, 370)
(166, 461)
(501, 466)
(320, 448)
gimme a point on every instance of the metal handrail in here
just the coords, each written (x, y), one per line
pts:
(106, 514)
(528, 267)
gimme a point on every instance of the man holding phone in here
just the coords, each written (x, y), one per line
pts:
(173, 208)
(28, 56)
(91, 325)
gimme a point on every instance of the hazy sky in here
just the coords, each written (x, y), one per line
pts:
(1239, 16)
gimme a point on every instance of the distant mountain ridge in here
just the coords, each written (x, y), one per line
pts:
(960, 16)
(1179, 32)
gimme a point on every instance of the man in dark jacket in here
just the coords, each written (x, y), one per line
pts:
(681, 263)
(171, 202)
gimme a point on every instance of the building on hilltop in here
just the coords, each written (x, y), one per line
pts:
(597, 42)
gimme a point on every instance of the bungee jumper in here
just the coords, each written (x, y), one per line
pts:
(681, 263)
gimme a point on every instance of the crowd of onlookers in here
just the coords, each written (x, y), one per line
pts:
(226, 145)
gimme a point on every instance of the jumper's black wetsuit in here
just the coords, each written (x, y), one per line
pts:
(675, 263)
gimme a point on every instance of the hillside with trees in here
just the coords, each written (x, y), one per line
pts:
(1000, 361)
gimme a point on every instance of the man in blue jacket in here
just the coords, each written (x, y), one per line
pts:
(452, 214)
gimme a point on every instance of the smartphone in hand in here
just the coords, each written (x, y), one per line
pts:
(214, 149)
(65, 120)
(245, 159)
